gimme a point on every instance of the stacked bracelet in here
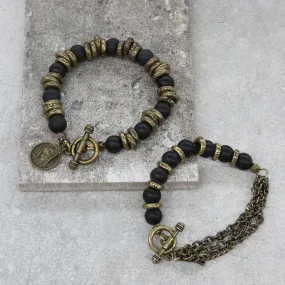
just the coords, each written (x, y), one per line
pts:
(150, 119)
(210, 247)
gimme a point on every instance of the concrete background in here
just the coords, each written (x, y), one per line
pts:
(101, 238)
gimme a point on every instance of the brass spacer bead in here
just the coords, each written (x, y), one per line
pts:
(97, 42)
(88, 51)
(155, 115)
(134, 134)
(162, 69)
(51, 105)
(202, 142)
(72, 57)
(235, 157)
(93, 49)
(153, 67)
(171, 95)
(131, 141)
(217, 152)
(155, 185)
(167, 100)
(65, 62)
(135, 48)
(149, 121)
(165, 166)
(151, 206)
(63, 55)
(179, 152)
(103, 47)
(51, 77)
(163, 89)
(150, 62)
(120, 49)
(127, 45)
(54, 112)
(124, 140)
(53, 84)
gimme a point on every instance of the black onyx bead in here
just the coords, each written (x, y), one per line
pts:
(187, 146)
(58, 68)
(57, 123)
(151, 195)
(227, 154)
(159, 175)
(114, 144)
(244, 161)
(164, 108)
(143, 130)
(153, 216)
(144, 56)
(171, 158)
(79, 52)
(51, 94)
(112, 45)
(165, 80)
(210, 149)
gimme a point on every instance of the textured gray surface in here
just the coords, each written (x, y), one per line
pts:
(109, 93)
(100, 237)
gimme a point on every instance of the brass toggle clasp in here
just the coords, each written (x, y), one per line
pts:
(168, 240)
(81, 145)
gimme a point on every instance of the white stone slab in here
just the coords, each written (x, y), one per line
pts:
(110, 93)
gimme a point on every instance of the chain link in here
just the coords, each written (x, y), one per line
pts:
(224, 241)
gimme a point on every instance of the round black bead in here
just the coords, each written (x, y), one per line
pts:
(153, 216)
(51, 94)
(171, 158)
(79, 52)
(244, 161)
(59, 68)
(114, 144)
(227, 154)
(165, 80)
(210, 149)
(151, 195)
(143, 130)
(187, 146)
(57, 123)
(159, 175)
(144, 56)
(112, 45)
(164, 108)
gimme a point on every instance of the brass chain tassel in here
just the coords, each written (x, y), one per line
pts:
(224, 241)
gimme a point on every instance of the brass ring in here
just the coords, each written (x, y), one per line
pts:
(155, 231)
(217, 152)
(147, 206)
(88, 51)
(165, 166)
(93, 157)
(93, 49)
(155, 185)
(202, 145)
(180, 152)
(235, 157)
(120, 49)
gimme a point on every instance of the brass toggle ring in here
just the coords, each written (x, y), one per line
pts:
(159, 231)
(93, 145)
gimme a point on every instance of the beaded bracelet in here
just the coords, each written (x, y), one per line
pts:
(46, 155)
(212, 246)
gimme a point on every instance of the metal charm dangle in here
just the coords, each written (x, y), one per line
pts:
(45, 156)
(167, 237)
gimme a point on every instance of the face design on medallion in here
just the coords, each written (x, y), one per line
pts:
(45, 154)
